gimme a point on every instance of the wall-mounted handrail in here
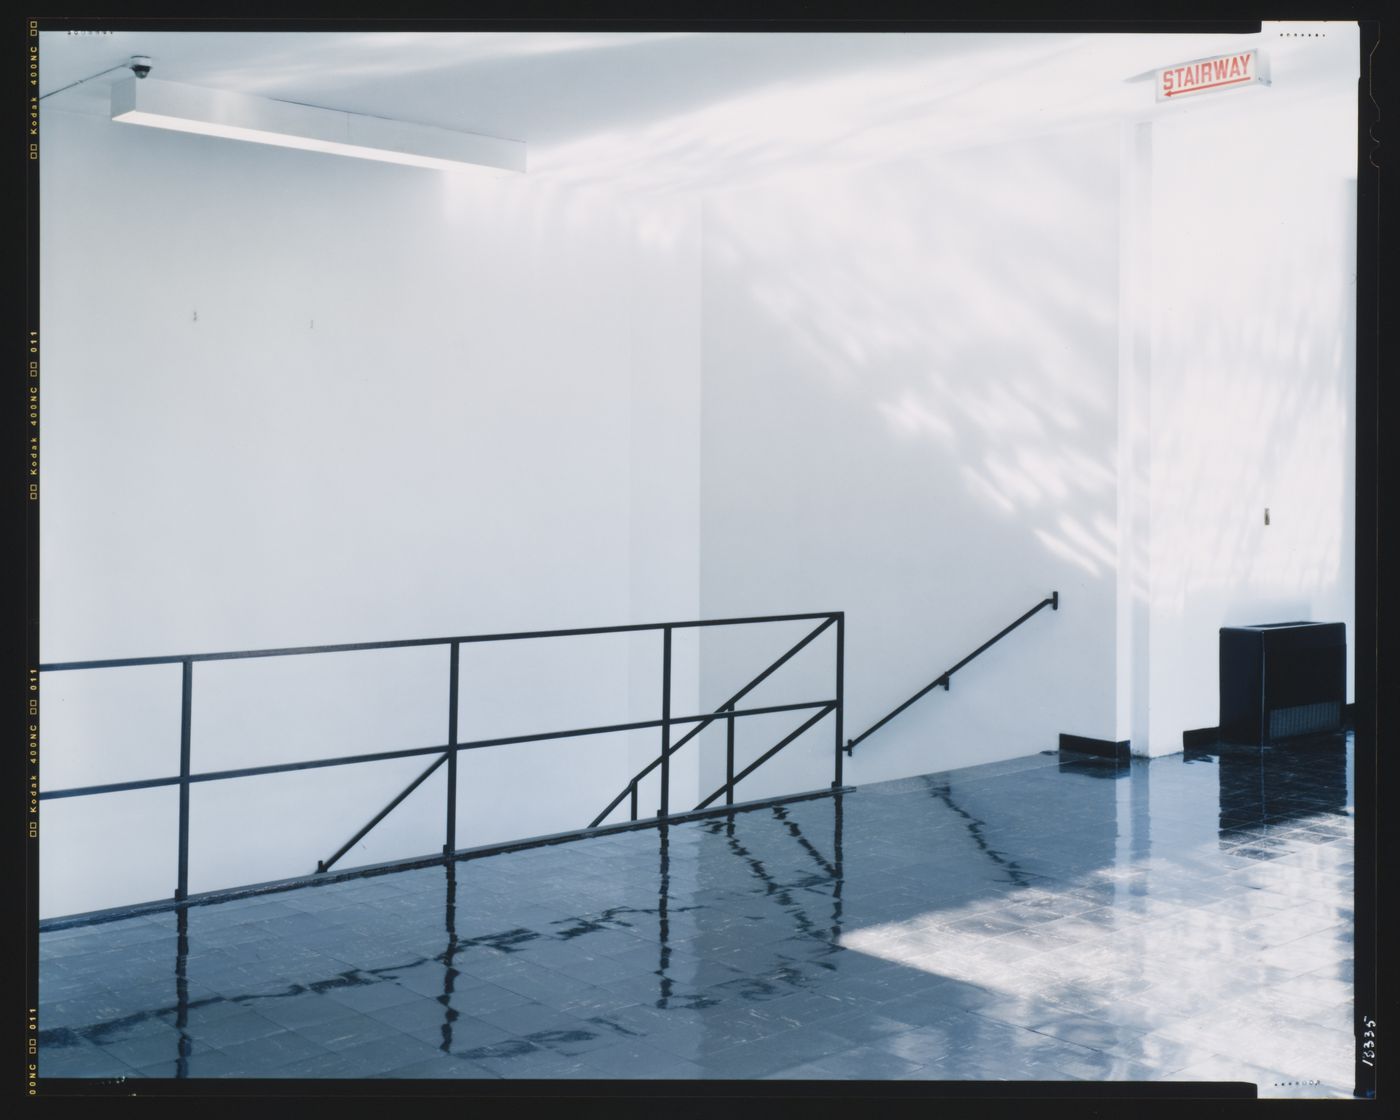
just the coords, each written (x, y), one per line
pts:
(944, 678)
(448, 752)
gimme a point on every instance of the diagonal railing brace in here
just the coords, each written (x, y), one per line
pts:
(327, 864)
(769, 753)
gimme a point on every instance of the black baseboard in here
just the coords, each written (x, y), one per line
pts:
(1099, 748)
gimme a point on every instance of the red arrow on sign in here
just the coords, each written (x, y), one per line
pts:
(1212, 85)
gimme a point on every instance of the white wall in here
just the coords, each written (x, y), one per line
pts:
(926, 392)
(665, 477)
(910, 414)
(1252, 398)
(406, 408)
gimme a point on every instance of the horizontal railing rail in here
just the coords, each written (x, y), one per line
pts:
(447, 753)
(405, 643)
(944, 678)
(407, 752)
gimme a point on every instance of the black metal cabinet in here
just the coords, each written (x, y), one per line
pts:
(1281, 679)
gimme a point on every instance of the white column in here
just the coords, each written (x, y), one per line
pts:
(1134, 431)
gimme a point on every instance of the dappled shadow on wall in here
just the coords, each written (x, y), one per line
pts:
(964, 307)
(1252, 356)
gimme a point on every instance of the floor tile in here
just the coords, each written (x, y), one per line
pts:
(1038, 919)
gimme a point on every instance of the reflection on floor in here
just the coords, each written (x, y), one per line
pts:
(1184, 919)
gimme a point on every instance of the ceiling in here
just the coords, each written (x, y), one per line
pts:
(690, 109)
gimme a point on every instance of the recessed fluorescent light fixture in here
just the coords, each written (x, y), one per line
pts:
(240, 116)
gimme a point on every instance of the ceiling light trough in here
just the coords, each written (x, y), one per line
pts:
(261, 120)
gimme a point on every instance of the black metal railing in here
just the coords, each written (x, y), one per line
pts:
(446, 753)
(944, 678)
(727, 712)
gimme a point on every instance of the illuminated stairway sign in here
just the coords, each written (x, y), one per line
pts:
(1230, 71)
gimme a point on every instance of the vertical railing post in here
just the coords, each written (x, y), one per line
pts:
(182, 880)
(633, 788)
(450, 973)
(729, 759)
(665, 723)
(451, 845)
(663, 921)
(183, 1045)
(837, 832)
(840, 692)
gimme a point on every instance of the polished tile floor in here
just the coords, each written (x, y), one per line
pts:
(1049, 918)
